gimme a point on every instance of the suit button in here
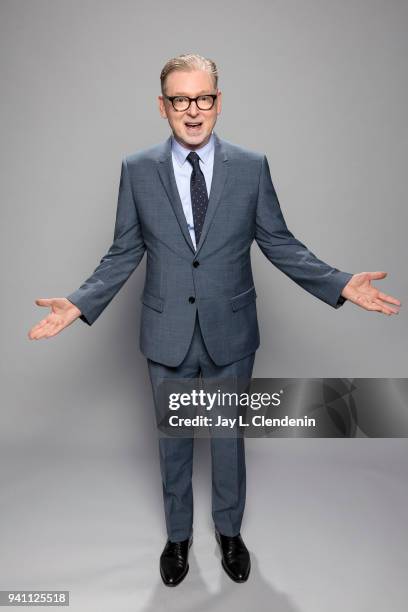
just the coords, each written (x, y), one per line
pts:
(191, 299)
(196, 263)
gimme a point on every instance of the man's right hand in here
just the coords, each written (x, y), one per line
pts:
(63, 313)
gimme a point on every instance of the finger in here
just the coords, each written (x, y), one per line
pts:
(37, 327)
(39, 333)
(370, 305)
(388, 298)
(373, 304)
(377, 275)
(386, 309)
(42, 323)
(43, 302)
(44, 331)
(55, 327)
(394, 310)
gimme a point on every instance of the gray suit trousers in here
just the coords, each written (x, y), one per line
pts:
(176, 454)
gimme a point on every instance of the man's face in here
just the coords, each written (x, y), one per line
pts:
(191, 84)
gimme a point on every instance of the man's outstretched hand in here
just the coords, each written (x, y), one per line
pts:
(62, 314)
(360, 291)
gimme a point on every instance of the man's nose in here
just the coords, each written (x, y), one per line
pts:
(193, 109)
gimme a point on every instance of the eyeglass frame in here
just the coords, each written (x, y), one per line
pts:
(190, 100)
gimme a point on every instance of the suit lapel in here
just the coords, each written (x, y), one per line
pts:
(166, 172)
(220, 171)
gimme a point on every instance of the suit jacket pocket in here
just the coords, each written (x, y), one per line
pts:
(242, 299)
(152, 301)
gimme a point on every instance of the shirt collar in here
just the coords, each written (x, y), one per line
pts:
(181, 152)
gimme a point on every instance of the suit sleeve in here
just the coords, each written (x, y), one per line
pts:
(115, 267)
(288, 254)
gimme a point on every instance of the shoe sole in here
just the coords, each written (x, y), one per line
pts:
(173, 584)
(225, 568)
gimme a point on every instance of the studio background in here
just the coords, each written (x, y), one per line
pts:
(321, 89)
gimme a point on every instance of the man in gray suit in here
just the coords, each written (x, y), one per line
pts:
(195, 203)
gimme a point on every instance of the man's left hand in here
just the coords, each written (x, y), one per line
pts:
(360, 291)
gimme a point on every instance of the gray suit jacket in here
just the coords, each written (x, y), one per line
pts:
(216, 280)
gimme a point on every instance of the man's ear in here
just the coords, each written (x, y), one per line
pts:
(162, 108)
(219, 101)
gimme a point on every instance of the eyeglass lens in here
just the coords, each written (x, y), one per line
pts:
(203, 102)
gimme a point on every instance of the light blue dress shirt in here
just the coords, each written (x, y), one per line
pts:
(182, 173)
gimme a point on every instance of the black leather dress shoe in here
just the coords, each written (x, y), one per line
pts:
(174, 561)
(235, 556)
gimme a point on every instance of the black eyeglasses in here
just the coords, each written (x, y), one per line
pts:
(182, 103)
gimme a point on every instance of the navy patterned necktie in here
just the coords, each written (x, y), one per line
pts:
(199, 196)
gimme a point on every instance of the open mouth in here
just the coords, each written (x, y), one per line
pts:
(193, 126)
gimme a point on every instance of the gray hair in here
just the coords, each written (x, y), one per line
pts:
(188, 62)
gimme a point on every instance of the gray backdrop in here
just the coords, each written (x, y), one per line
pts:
(321, 88)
